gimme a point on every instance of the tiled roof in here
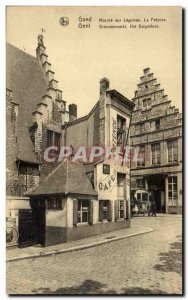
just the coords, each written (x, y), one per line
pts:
(67, 178)
(28, 85)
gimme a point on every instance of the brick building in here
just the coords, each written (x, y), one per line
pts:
(156, 128)
(49, 202)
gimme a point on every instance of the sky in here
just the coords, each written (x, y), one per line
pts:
(80, 57)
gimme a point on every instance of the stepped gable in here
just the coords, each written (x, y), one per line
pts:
(151, 101)
(26, 81)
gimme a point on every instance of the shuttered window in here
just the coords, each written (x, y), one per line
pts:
(105, 210)
(83, 211)
(121, 209)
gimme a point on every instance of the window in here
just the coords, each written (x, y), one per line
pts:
(146, 103)
(157, 124)
(120, 185)
(53, 139)
(149, 102)
(105, 210)
(156, 156)
(142, 197)
(121, 209)
(121, 131)
(137, 129)
(106, 169)
(54, 203)
(142, 128)
(141, 157)
(172, 190)
(83, 211)
(172, 151)
(140, 183)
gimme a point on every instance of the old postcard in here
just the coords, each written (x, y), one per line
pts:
(94, 150)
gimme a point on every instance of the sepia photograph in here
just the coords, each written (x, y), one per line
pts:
(94, 154)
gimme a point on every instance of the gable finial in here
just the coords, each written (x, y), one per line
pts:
(40, 40)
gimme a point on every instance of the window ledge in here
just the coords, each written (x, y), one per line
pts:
(82, 224)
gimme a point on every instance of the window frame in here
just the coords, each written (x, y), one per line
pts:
(57, 201)
(147, 102)
(81, 211)
(142, 128)
(121, 131)
(174, 191)
(121, 209)
(173, 149)
(51, 141)
(141, 155)
(137, 129)
(121, 186)
(155, 154)
(105, 205)
(157, 124)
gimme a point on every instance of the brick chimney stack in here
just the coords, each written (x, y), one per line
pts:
(72, 112)
(104, 85)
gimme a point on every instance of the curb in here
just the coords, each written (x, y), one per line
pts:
(81, 247)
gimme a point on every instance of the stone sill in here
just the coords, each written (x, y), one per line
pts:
(82, 224)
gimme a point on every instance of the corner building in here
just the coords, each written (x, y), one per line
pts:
(156, 129)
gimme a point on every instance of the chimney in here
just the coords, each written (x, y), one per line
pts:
(104, 85)
(72, 112)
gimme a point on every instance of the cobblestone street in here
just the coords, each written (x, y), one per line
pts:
(145, 264)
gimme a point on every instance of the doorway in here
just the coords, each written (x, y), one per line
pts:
(157, 199)
(156, 186)
(25, 228)
(39, 225)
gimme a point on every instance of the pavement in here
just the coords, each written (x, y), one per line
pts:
(94, 241)
(141, 264)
